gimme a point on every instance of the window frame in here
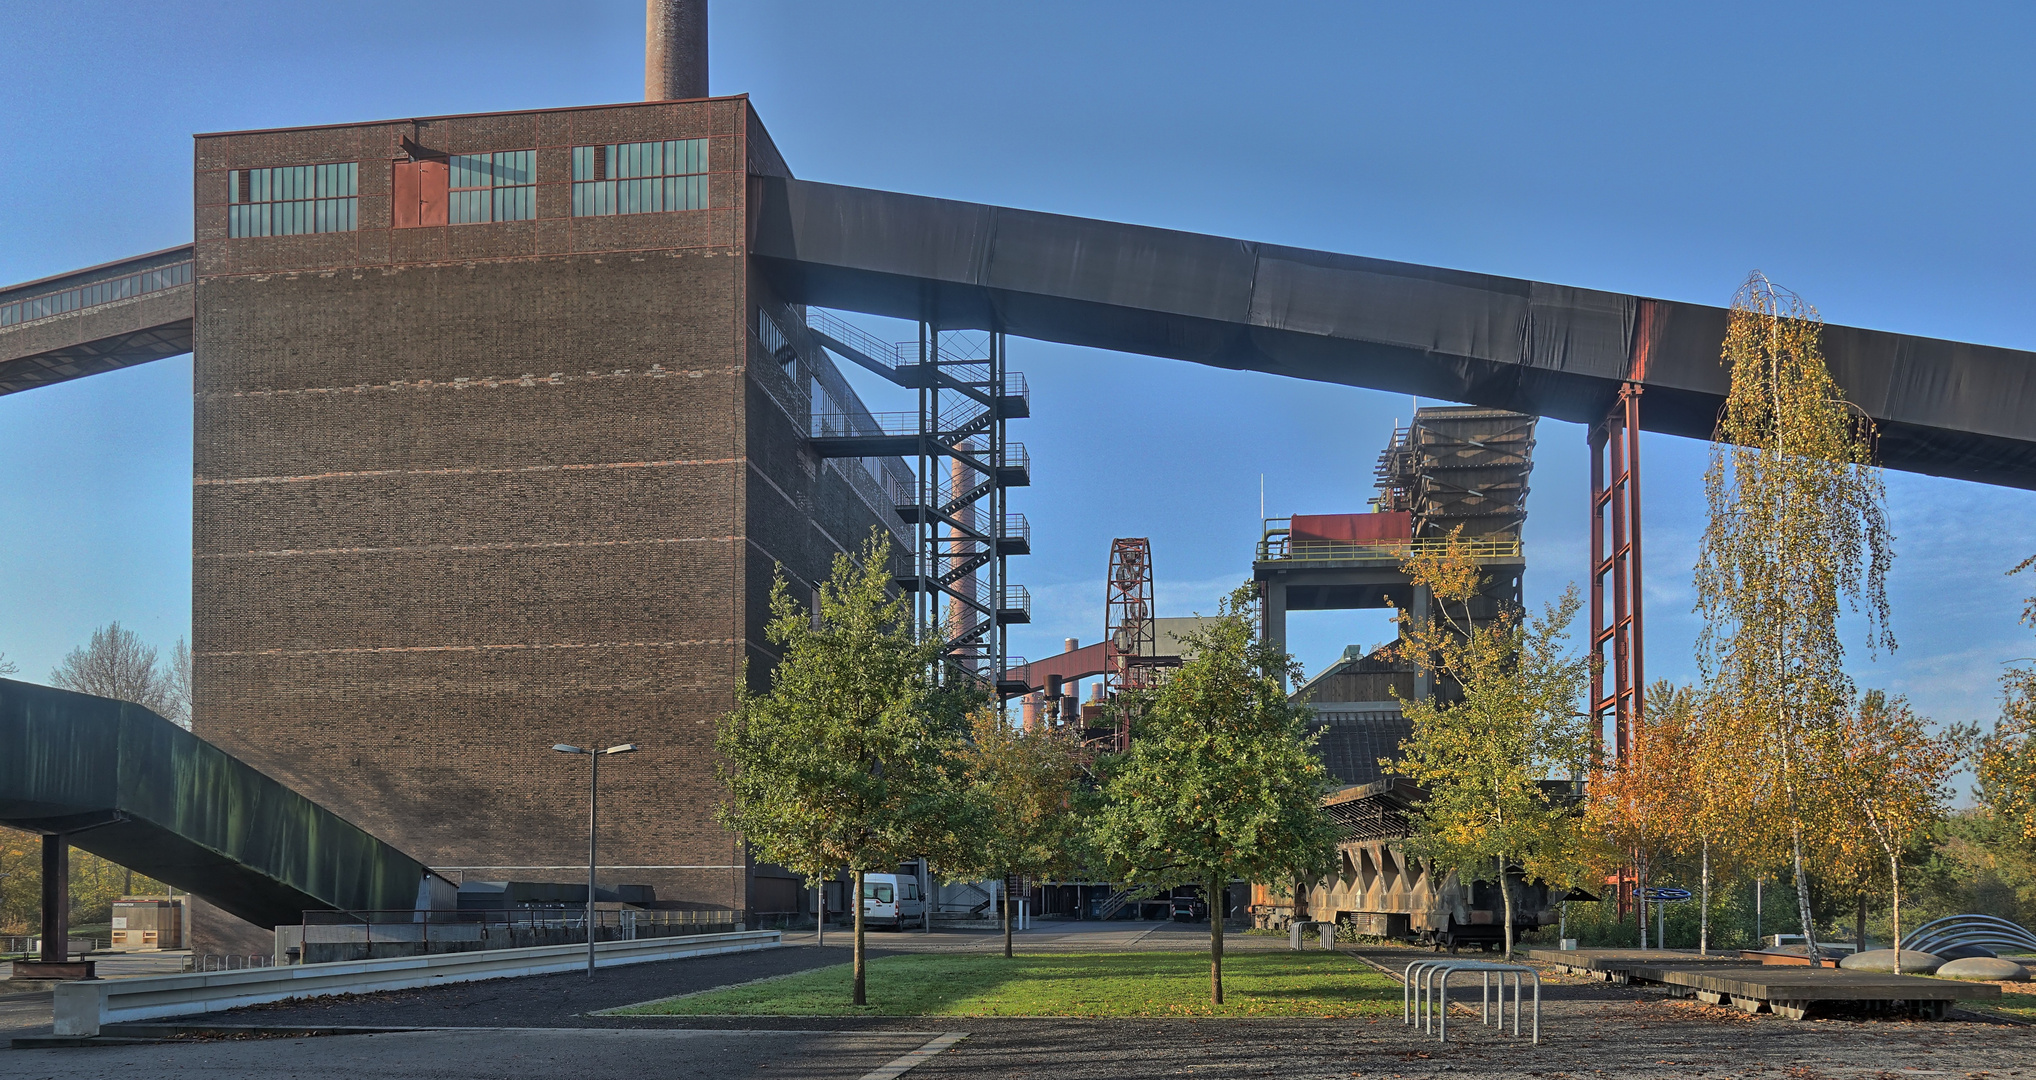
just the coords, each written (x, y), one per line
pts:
(494, 194)
(325, 195)
(660, 176)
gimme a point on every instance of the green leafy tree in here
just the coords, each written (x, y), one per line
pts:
(1888, 779)
(1486, 758)
(854, 757)
(1222, 780)
(2006, 762)
(1796, 527)
(1028, 789)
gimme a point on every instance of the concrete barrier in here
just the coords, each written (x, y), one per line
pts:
(83, 1007)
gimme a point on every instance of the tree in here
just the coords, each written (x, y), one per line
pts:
(853, 759)
(1639, 806)
(2006, 762)
(8, 667)
(116, 664)
(1222, 780)
(1796, 526)
(1891, 772)
(1485, 759)
(177, 686)
(1027, 786)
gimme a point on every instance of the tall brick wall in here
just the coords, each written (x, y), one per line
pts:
(466, 491)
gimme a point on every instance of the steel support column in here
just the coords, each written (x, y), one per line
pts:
(1618, 644)
(56, 898)
(1615, 562)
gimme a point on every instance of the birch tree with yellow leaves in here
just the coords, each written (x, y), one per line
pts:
(1797, 530)
(1491, 758)
(1888, 784)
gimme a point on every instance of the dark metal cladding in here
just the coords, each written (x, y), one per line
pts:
(1944, 408)
(127, 785)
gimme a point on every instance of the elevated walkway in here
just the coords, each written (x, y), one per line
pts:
(125, 784)
(95, 320)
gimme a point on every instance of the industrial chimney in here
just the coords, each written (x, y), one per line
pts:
(674, 50)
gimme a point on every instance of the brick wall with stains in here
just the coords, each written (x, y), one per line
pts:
(464, 491)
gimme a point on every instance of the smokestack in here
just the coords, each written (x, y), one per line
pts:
(674, 50)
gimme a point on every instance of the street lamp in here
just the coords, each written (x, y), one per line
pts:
(593, 808)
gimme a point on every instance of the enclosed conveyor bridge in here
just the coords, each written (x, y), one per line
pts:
(115, 779)
(1944, 408)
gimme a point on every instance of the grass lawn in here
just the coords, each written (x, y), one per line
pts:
(1063, 984)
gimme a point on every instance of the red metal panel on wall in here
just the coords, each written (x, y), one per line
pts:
(1353, 528)
(418, 193)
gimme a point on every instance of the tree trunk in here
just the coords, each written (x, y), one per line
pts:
(1859, 923)
(1009, 902)
(1215, 946)
(1704, 902)
(1803, 899)
(1895, 878)
(1506, 891)
(859, 997)
(1640, 894)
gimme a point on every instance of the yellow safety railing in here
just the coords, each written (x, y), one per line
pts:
(1279, 546)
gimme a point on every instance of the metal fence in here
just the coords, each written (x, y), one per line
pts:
(374, 935)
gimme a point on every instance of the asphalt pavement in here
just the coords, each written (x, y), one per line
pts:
(542, 1025)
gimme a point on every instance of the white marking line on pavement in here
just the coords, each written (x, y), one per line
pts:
(897, 1068)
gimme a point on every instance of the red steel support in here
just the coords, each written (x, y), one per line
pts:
(1618, 644)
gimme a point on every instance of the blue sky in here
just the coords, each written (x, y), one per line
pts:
(1875, 158)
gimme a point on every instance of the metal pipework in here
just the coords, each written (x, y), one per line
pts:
(674, 50)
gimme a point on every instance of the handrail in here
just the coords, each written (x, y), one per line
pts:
(1284, 548)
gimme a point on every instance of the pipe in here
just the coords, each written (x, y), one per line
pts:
(674, 50)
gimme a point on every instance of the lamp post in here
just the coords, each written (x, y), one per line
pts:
(593, 816)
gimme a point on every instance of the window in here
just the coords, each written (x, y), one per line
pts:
(493, 187)
(880, 893)
(772, 337)
(640, 178)
(292, 199)
(99, 292)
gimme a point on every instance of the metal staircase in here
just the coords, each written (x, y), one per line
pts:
(1130, 894)
(955, 503)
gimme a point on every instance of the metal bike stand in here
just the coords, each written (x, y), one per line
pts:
(1425, 994)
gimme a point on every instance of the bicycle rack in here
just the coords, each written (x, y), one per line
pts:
(1424, 994)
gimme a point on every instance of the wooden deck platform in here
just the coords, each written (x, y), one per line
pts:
(1615, 965)
(1793, 991)
(1786, 990)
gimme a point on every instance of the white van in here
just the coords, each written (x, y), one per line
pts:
(892, 900)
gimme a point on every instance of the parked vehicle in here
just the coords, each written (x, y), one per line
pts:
(892, 900)
(1189, 909)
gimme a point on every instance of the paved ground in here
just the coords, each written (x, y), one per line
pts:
(1590, 1029)
(470, 1054)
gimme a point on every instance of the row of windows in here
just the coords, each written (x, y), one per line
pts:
(492, 187)
(98, 292)
(619, 178)
(640, 178)
(292, 199)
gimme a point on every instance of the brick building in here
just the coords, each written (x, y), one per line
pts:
(499, 441)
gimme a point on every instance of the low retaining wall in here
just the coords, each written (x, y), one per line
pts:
(82, 1007)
